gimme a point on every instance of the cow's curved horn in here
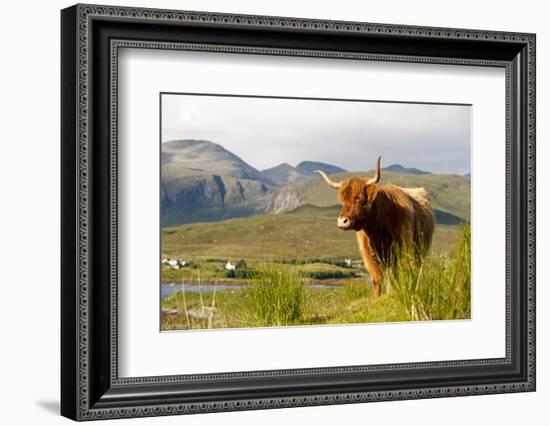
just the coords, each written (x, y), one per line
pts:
(335, 185)
(376, 177)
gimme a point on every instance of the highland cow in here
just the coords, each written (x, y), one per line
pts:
(383, 217)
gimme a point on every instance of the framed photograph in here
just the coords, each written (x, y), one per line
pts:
(263, 212)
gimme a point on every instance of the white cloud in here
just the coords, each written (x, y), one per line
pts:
(265, 132)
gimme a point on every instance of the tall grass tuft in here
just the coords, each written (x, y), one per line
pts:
(435, 288)
(277, 296)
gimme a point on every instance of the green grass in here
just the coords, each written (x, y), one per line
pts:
(437, 288)
(339, 305)
(321, 258)
(276, 298)
(307, 233)
(285, 252)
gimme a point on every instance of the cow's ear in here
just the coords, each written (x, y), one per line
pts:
(370, 193)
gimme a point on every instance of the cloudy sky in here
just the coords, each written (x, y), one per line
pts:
(266, 132)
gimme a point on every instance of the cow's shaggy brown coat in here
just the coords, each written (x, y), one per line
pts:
(383, 216)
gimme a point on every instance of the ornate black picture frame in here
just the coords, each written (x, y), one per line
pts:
(90, 385)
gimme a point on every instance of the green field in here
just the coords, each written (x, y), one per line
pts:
(306, 233)
(306, 247)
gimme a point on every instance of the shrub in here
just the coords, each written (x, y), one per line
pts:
(435, 288)
(325, 275)
(276, 296)
(239, 273)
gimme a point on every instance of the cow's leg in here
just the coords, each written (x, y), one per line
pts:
(369, 259)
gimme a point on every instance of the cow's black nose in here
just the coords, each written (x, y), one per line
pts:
(343, 222)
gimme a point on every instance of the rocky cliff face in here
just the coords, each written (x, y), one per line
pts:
(283, 200)
(207, 198)
(201, 181)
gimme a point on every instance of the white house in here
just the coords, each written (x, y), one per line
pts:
(347, 262)
(229, 266)
(174, 263)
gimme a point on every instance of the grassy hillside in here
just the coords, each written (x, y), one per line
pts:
(307, 232)
(449, 193)
(398, 168)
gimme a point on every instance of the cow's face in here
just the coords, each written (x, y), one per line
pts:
(356, 196)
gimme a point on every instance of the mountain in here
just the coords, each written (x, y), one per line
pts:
(448, 193)
(201, 181)
(283, 174)
(398, 168)
(307, 168)
(189, 157)
(204, 198)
